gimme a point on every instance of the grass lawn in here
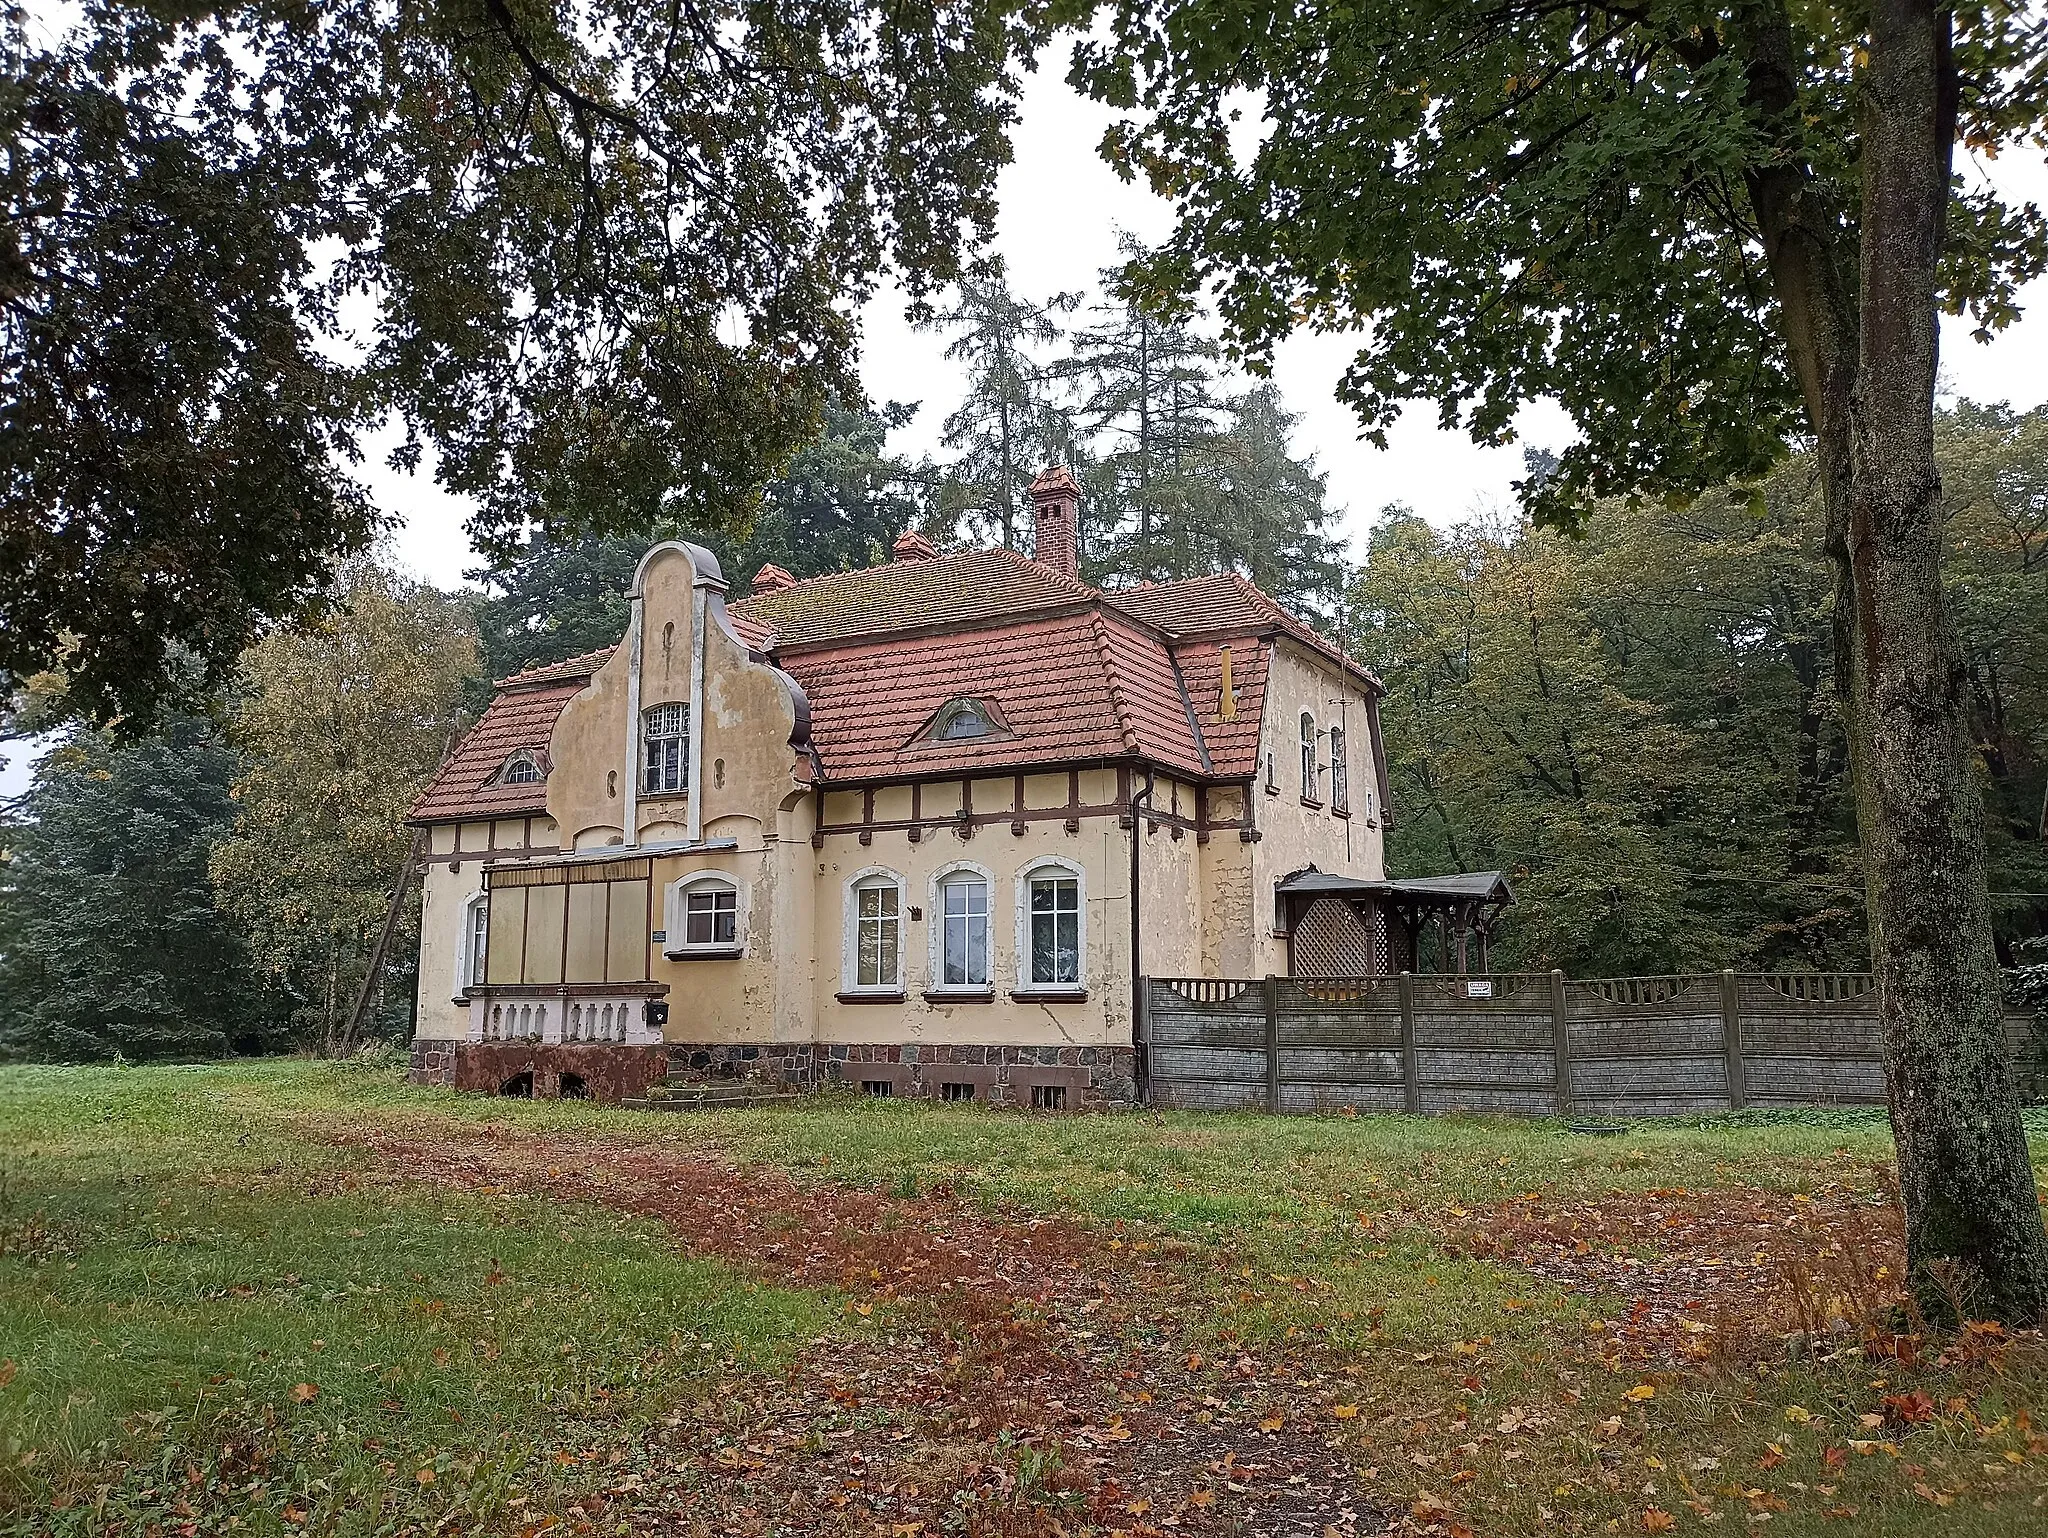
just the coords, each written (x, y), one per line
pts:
(289, 1297)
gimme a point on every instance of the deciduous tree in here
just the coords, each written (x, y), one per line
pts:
(601, 258)
(1705, 229)
(340, 724)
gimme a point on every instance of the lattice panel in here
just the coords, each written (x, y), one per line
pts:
(1329, 941)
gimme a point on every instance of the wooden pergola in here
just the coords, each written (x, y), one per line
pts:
(1344, 926)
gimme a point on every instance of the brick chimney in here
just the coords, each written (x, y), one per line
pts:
(772, 579)
(1056, 511)
(913, 546)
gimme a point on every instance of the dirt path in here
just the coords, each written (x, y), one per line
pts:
(1024, 1376)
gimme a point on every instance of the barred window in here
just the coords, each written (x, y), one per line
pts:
(665, 737)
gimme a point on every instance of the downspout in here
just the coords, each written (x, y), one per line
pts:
(632, 830)
(1138, 1047)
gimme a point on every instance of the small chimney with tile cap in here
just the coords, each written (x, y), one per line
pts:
(772, 579)
(1056, 508)
(913, 546)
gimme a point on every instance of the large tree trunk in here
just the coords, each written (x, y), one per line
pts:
(1864, 348)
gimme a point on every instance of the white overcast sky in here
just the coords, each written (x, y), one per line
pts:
(1061, 209)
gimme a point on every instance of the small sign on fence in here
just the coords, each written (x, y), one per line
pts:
(1475, 989)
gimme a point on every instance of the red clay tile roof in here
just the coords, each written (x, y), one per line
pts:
(573, 667)
(1077, 674)
(522, 717)
(1072, 687)
(1233, 744)
(969, 587)
(1225, 605)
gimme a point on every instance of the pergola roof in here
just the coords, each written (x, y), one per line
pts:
(1483, 886)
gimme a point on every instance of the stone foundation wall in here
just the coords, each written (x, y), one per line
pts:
(1042, 1078)
(582, 1070)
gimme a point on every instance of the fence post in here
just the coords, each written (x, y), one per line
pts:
(1141, 1043)
(1560, 1044)
(1272, 1044)
(1411, 1070)
(1731, 1040)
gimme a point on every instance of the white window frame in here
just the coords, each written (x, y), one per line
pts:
(521, 756)
(849, 949)
(676, 916)
(1340, 772)
(648, 738)
(1310, 779)
(935, 914)
(1043, 865)
(478, 901)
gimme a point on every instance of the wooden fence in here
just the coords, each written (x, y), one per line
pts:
(1534, 1044)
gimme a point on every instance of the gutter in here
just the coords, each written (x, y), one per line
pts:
(1138, 1044)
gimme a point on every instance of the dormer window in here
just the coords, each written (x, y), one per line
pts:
(966, 720)
(522, 768)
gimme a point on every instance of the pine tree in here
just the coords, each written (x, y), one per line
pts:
(1256, 509)
(1012, 422)
(112, 940)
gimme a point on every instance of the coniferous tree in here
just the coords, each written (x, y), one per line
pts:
(1012, 422)
(113, 942)
(1256, 509)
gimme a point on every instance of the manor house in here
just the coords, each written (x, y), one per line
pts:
(920, 827)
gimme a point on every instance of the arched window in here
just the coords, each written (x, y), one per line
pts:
(873, 960)
(474, 940)
(522, 768)
(706, 916)
(1309, 785)
(960, 929)
(1340, 786)
(1052, 927)
(665, 748)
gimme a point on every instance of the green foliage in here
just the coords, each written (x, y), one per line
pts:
(841, 503)
(1012, 422)
(612, 255)
(1639, 725)
(340, 725)
(112, 942)
(1524, 200)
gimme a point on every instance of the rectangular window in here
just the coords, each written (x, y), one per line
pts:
(1048, 1097)
(964, 963)
(712, 917)
(881, 1089)
(479, 940)
(956, 1091)
(1055, 930)
(878, 944)
(665, 737)
(1309, 777)
(1340, 787)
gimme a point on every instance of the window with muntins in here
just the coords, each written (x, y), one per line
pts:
(964, 945)
(665, 741)
(878, 934)
(711, 915)
(1055, 929)
(1308, 757)
(520, 769)
(1340, 787)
